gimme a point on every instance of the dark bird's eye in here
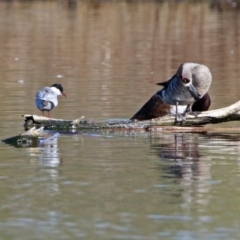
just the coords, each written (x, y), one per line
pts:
(185, 80)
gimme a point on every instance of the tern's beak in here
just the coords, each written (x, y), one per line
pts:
(194, 92)
(64, 94)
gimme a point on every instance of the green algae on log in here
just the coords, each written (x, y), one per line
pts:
(230, 113)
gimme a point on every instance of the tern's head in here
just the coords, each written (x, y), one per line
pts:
(58, 89)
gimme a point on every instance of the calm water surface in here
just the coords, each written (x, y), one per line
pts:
(116, 185)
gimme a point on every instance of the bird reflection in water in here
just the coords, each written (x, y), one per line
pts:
(49, 154)
(182, 152)
(182, 162)
(46, 154)
(186, 161)
(47, 159)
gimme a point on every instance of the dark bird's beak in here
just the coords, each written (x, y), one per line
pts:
(194, 92)
(64, 94)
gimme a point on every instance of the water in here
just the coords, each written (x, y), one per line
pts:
(116, 185)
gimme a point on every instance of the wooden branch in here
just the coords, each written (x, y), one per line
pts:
(230, 113)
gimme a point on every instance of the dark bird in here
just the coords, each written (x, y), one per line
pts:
(47, 98)
(185, 91)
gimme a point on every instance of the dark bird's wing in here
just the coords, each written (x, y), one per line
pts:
(202, 104)
(153, 108)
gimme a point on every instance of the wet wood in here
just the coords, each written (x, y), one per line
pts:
(230, 113)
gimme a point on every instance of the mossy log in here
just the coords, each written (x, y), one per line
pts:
(230, 113)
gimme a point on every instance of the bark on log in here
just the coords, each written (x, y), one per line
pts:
(230, 113)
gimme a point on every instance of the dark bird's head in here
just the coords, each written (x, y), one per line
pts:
(195, 77)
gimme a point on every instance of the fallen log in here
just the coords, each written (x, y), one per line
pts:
(38, 121)
(230, 113)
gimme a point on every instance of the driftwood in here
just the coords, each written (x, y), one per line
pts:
(230, 113)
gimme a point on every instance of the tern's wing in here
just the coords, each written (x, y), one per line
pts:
(47, 94)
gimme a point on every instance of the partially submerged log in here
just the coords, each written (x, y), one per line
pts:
(230, 113)
(31, 138)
